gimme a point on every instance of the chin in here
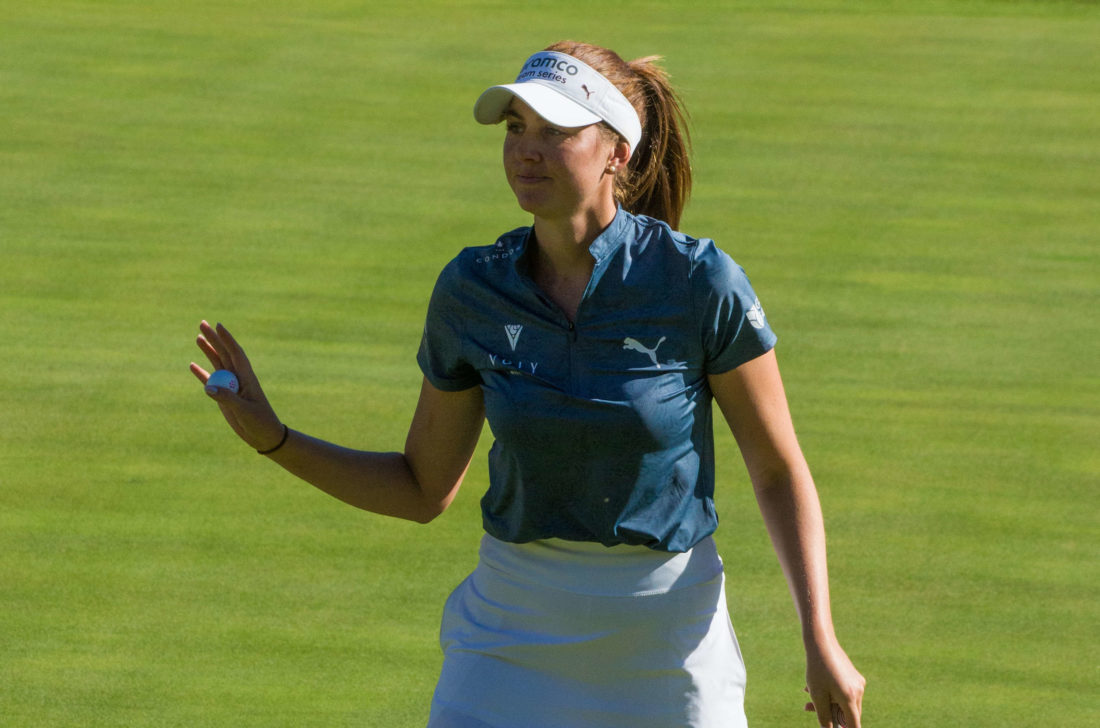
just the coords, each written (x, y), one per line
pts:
(529, 203)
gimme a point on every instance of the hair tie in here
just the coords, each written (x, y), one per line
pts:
(286, 433)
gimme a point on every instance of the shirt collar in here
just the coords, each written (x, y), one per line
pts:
(603, 247)
(612, 238)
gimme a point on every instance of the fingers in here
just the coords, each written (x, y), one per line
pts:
(230, 343)
(223, 396)
(819, 703)
(211, 343)
(210, 352)
(220, 394)
(835, 716)
(241, 365)
(838, 716)
(850, 713)
(848, 708)
(223, 351)
(201, 374)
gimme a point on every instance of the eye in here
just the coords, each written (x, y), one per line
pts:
(514, 127)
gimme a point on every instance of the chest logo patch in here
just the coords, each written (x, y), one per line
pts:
(513, 331)
(635, 345)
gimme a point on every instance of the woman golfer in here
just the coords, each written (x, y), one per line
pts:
(593, 342)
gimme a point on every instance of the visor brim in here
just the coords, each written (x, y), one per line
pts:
(555, 107)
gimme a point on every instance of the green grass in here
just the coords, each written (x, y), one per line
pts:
(912, 186)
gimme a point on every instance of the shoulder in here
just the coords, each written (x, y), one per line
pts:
(648, 233)
(714, 266)
(702, 259)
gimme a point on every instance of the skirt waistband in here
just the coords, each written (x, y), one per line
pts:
(598, 570)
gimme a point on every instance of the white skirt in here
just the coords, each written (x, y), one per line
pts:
(566, 634)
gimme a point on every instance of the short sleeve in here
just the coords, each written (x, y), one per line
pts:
(734, 329)
(441, 347)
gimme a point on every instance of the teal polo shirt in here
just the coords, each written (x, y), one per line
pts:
(602, 426)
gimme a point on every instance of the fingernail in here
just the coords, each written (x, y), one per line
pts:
(212, 391)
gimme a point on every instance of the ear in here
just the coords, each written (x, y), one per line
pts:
(617, 159)
(620, 154)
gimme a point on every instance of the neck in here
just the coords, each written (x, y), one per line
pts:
(563, 243)
(561, 263)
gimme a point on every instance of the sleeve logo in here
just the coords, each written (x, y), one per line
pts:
(756, 315)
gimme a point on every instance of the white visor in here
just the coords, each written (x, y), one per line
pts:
(566, 92)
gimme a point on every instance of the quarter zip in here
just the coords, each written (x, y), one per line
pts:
(571, 345)
(602, 250)
(569, 329)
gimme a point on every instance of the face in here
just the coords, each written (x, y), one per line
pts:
(554, 171)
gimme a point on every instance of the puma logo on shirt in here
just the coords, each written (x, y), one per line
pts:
(635, 345)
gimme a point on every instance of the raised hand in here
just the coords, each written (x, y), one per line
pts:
(248, 411)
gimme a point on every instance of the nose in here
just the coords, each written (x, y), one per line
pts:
(524, 147)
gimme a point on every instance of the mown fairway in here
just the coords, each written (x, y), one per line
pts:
(913, 188)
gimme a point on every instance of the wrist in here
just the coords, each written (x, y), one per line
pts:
(282, 441)
(818, 634)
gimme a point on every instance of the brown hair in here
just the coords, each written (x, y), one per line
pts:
(657, 181)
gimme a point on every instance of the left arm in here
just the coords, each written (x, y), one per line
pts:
(755, 406)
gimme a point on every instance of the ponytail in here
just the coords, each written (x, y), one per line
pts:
(657, 180)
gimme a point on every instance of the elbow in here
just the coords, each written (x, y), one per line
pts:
(427, 515)
(431, 495)
(430, 509)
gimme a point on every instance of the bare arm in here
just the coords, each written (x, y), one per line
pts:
(754, 404)
(417, 484)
